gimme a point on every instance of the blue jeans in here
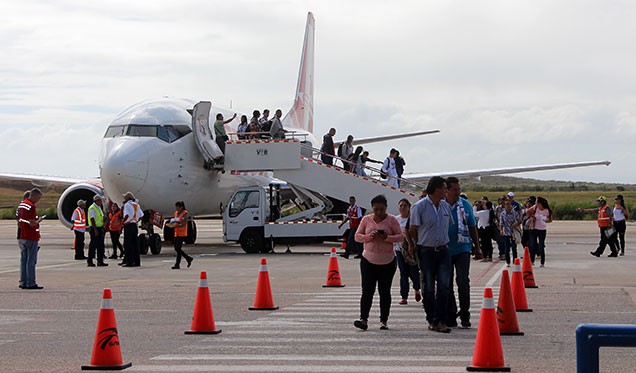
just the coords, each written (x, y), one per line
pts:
(537, 244)
(435, 266)
(28, 260)
(407, 272)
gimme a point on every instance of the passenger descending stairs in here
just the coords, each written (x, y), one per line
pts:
(296, 164)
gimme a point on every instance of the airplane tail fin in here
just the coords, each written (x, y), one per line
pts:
(301, 114)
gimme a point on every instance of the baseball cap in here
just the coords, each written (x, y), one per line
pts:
(511, 194)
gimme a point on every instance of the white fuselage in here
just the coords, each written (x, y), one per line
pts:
(161, 169)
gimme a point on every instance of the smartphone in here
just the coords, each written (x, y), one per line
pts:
(380, 231)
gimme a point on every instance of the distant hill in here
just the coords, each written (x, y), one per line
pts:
(519, 184)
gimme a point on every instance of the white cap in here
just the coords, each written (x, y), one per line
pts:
(511, 194)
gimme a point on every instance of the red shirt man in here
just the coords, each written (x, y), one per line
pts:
(29, 236)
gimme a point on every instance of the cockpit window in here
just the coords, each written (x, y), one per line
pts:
(167, 133)
(115, 131)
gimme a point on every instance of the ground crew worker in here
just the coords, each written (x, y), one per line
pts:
(29, 241)
(180, 233)
(354, 215)
(96, 231)
(114, 229)
(132, 214)
(79, 228)
(605, 221)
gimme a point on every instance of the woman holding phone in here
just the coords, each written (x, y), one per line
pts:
(377, 232)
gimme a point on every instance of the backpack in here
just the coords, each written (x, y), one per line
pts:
(267, 126)
(341, 150)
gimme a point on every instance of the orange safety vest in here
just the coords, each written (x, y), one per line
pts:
(181, 230)
(81, 223)
(603, 218)
(114, 221)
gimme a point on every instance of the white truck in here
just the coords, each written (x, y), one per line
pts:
(260, 217)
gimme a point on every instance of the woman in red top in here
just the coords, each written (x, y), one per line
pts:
(378, 232)
(114, 228)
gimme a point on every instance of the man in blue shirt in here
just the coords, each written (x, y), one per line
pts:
(462, 233)
(430, 219)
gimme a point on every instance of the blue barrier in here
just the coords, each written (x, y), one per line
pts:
(590, 337)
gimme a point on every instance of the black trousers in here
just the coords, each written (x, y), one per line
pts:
(620, 227)
(373, 274)
(131, 249)
(178, 244)
(78, 244)
(606, 241)
(96, 244)
(114, 239)
(460, 268)
(485, 239)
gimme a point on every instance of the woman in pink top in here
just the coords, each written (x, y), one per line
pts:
(377, 232)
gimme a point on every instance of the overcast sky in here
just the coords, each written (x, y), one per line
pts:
(508, 83)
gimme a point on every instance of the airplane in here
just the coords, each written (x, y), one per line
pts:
(150, 149)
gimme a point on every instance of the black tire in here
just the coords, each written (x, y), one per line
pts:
(192, 233)
(252, 240)
(267, 246)
(155, 244)
(168, 233)
(142, 243)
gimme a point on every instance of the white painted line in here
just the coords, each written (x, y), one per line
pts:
(355, 358)
(37, 268)
(495, 277)
(93, 310)
(371, 339)
(291, 368)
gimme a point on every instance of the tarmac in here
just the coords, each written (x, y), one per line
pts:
(52, 330)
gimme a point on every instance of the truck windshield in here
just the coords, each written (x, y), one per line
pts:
(243, 200)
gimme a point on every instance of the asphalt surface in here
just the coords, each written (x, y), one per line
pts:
(52, 330)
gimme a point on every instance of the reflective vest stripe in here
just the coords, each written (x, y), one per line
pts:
(81, 222)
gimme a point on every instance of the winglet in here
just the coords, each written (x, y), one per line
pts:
(301, 114)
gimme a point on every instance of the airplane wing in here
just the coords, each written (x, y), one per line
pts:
(39, 180)
(499, 171)
(370, 140)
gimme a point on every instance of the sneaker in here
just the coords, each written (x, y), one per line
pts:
(346, 256)
(465, 324)
(418, 296)
(361, 324)
(90, 264)
(541, 266)
(622, 254)
(403, 302)
(612, 255)
(595, 254)
(383, 326)
(34, 287)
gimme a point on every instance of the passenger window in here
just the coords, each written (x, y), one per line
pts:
(242, 201)
(115, 131)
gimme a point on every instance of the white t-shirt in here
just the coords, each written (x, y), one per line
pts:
(483, 218)
(398, 246)
(618, 214)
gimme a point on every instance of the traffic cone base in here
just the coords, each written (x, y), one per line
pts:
(477, 369)
(333, 272)
(263, 308)
(528, 273)
(203, 316)
(106, 348)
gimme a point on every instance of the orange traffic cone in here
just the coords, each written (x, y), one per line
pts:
(488, 355)
(203, 316)
(518, 290)
(506, 312)
(263, 299)
(343, 246)
(333, 272)
(526, 269)
(106, 349)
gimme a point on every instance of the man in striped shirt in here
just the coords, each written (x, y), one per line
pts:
(28, 241)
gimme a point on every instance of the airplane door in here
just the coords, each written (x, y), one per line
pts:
(244, 211)
(203, 135)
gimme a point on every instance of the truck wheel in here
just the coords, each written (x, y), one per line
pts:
(192, 233)
(168, 233)
(155, 244)
(142, 244)
(251, 241)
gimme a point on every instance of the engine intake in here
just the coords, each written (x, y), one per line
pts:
(68, 200)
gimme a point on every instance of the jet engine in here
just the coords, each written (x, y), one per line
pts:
(68, 200)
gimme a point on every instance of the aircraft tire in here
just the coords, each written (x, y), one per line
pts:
(155, 244)
(142, 243)
(252, 240)
(192, 233)
(168, 233)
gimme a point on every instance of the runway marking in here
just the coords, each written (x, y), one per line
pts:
(42, 267)
(290, 368)
(495, 277)
(355, 358)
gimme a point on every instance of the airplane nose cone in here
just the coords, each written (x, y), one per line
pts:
(124, 167)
